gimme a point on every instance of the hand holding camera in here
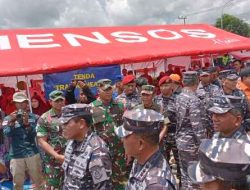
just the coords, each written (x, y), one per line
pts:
(21, 117)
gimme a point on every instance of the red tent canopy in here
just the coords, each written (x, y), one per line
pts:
(33, 51)
(241, 56)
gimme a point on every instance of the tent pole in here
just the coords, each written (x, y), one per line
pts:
(165, 65)
(211, 56)
(28, 92)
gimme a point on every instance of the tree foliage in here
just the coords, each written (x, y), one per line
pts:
(234, 25)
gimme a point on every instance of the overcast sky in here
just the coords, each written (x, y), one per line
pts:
(74, 13)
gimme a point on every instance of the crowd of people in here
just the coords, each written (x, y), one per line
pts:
(129, 135)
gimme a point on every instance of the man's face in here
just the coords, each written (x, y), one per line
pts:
(118, 84)
(58, 104)
(246, 80)
(205, 79)
(71, 129)
(147, 98)
(34, 103)
(105, 95)
(214, 185)
(130, 88)
(230, 84)
(22, 105)
(83, 98)
(131, 145)
(237, 65)
(166, 88)
(224, 123)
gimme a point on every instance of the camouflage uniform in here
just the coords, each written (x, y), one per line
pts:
(216, 162)
(155, 170)
(87, 164)
(149, 89)
(205, 93)
(155, 173)
(105, 120)
(168, 104)
(129, 101)
(189, 130)
(239, 93)
(48, 126)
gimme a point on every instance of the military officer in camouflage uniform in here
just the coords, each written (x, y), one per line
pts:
(214, 76)
(227, 115)
(190, 128)
(167, 100)
(229, 88)
(50, 139)
(147, 97)
(140, 136)
(87, 164)
(205, 92)
(107, 115)
(217, 157)
(205, 88)
(130, 97)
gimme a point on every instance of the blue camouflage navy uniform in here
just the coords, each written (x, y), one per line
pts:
(87, 163)
(205, 93)
(239, 93)
(169, 142)
(190, 128)
(155, 173)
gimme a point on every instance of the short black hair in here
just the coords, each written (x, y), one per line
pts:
(236, 60)
(86, 118)
(151, 138)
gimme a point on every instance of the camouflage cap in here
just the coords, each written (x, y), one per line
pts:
(74, 110)
(56, 95)
(147, 89)
(216, 161)
(141, 81)
(224, 73)
(223, 104)
(232, 77)
(203, 72)
(104, 84)
(212, 69)
(197, 175)
(140, 121)
(190, 76)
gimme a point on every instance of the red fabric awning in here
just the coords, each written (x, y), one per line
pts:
(241, 56)
(34, 51)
